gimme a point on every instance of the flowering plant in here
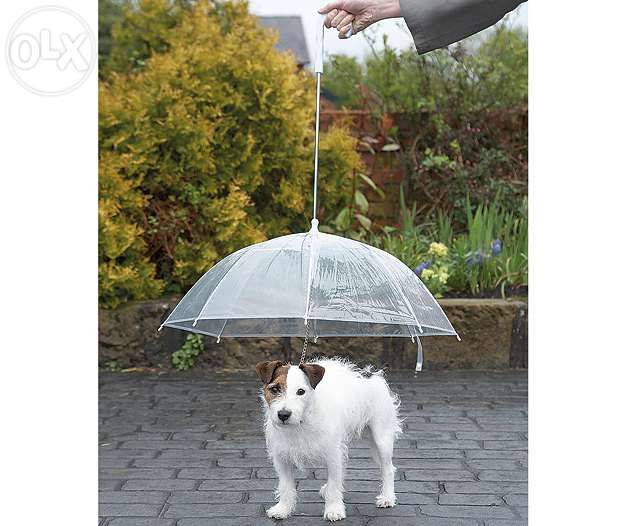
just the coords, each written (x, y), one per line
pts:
(434, 272)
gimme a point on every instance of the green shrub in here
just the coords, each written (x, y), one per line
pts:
(461, 117)
(184, 358)
(205, 146)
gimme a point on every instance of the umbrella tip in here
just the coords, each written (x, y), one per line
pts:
(314, 225)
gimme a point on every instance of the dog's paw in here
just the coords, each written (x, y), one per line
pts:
(386, 501)
(279, 511)
(334, 511)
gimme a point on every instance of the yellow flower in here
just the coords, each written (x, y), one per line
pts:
(437, 250)
(428, 273)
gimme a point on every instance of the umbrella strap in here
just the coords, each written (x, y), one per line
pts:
(306, 341)
(419, 355)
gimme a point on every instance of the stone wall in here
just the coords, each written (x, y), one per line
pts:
(493, 333)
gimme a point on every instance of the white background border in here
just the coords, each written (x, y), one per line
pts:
(586, 148)
(48, 221)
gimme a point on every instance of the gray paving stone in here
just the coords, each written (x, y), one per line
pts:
(179, 430)
(420, 521)
(132, 497)
(173, 463)
(477, 512)
(128, 510)
(494, 464)
(401, 510)
(140, 521)
(516, 500)
(214, 473)
(495, 453)
(510, 522)
(216, 511)
(469, 500)
(162, 484)
(497, 488)
(127, 454)
(487, 435)
(162, 444)
(503, 476)
(242, 485)
(438, 474)
(114, 462)
(247, 462)
(242, 521)
(449, 444)
(135, 473)
(506, 444)
(109, 484)
(206, 497)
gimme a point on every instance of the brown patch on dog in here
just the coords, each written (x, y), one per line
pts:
(273, 375)
(313, 372)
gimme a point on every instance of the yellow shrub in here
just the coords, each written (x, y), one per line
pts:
(206, 145)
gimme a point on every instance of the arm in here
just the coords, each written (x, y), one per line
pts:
(433, 23)
(438, 23)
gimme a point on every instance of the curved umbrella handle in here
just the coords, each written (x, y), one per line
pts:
(319, 44)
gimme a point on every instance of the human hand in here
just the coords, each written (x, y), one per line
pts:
(358, 14)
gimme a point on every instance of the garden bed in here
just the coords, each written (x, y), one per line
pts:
(493, 333)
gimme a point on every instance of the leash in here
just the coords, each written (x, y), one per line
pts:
(306, 342)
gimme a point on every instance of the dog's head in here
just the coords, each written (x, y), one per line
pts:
(288, 390)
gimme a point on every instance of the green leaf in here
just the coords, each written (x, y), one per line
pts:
(364, 221)
(392, 147)
(361, 201)
(343, 219)
(373, 185)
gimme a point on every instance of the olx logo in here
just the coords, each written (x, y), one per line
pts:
(50, 50)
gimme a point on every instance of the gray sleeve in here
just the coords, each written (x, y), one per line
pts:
(438, 23)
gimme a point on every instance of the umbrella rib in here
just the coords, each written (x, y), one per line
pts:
(312, 269)
(217, 286)
(402, 293)
(241, 287)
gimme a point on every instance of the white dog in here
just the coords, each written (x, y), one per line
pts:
(312, 412)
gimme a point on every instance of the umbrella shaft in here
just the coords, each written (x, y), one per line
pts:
(317, 145)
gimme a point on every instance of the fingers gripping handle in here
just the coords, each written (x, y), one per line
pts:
(319, 43)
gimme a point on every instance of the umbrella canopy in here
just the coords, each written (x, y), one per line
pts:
(313, 284)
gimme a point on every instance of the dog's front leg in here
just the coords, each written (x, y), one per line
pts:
(286, 490)
(332, 491)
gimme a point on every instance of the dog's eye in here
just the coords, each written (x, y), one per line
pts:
(300, 392)
(275, 389)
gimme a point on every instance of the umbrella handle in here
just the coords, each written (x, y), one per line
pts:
(319, 44)
(319, 67)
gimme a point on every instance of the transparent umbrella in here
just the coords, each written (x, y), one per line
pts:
(311, 285)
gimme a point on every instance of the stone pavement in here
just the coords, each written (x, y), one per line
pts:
(187, 450)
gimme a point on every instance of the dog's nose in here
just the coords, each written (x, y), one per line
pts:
(283, 414)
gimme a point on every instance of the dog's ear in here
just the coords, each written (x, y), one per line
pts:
(265, 370)
(313, 372)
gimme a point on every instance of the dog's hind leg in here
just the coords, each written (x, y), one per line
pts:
(286, 490)
(383, 438)
(332, 491)
(373, 449)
